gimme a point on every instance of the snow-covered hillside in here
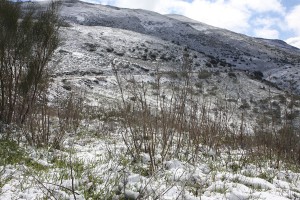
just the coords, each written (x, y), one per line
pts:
(160, 107)
(233, 50)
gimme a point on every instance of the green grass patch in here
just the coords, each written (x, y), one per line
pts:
(35, 165)
(10, 153)
(266, 177)
(60, 163)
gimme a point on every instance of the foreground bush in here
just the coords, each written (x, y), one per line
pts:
(28, 38)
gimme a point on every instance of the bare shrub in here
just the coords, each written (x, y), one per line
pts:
(27, 42)
(49, 123)
(177, 123)
(169, 126)
(204, 74)
(275, 136)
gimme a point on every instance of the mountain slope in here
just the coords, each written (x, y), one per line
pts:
(236, 51)
(144, 42)
(134, 114)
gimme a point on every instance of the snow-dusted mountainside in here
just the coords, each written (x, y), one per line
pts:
(278, 61)
(145, 42)
(146, 106)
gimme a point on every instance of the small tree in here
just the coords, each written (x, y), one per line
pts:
(28, 38)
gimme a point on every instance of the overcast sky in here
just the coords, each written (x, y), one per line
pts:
(273, 19)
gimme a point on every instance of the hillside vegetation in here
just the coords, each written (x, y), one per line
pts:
(95, 105)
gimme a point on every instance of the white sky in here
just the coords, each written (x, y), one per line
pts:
(272, 19)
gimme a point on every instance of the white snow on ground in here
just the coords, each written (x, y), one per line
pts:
(101, 162)
(104, 159)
